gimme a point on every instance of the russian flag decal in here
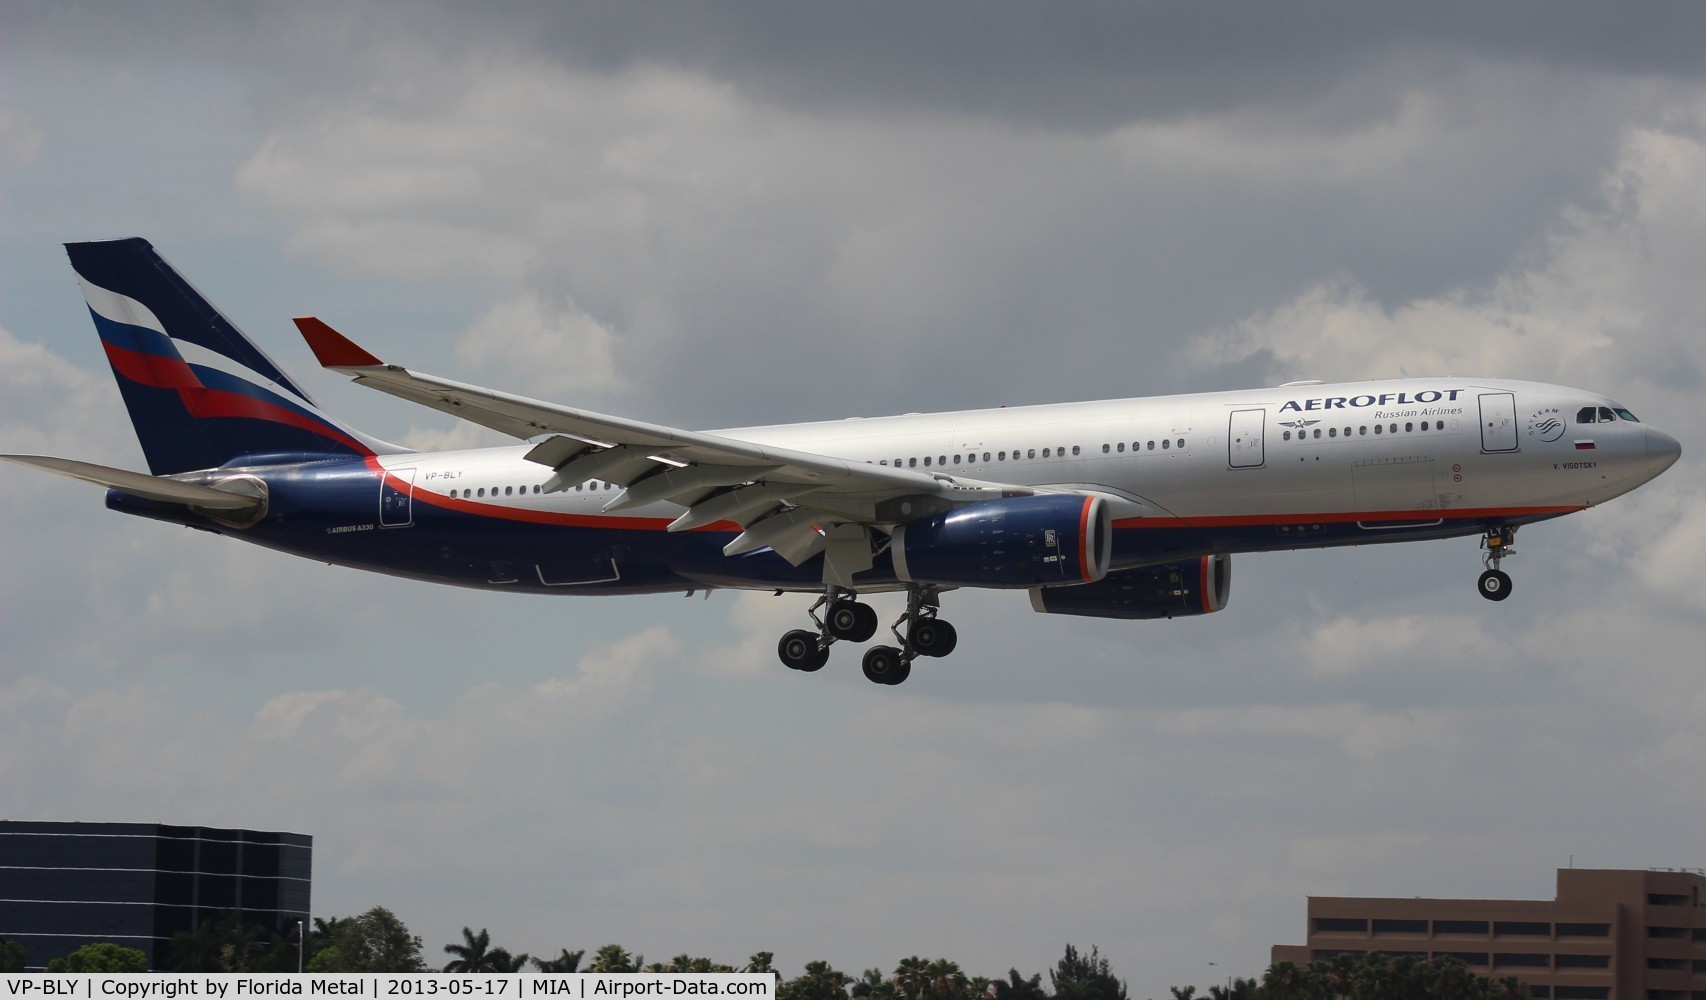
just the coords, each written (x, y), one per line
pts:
(1583, 445)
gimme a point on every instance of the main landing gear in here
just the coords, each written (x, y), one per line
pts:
(1499, 542)
(924, 635)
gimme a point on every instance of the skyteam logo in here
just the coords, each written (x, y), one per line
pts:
(1547, 424)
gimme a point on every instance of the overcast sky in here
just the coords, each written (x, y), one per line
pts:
(737, 213)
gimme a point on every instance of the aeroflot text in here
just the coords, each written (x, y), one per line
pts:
(1384, 399)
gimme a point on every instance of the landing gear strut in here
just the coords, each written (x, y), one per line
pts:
(846, 618)
(1499, 542)
(926, 635)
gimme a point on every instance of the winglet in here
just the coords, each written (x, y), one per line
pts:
(333, 349)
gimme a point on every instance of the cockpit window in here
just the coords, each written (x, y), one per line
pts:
(1587, 415)
(1626, 415)
(1605, 415)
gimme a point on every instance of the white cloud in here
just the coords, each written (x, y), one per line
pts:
(1609, 300)
(552, 351)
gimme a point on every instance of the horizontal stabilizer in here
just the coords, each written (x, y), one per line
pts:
(143, 485)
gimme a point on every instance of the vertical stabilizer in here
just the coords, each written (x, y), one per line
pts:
(200, 393)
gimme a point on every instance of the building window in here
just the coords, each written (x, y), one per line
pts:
(1524, 960)
(1472, 958)
(1522, 928)
(1584, 930)
(1476, 927)
(1668, 933)
(1667, 899)
(1341, 925)
(1581, 993)
(1583, 961)
(1392, 926)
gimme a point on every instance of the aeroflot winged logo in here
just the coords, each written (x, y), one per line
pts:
(1405, 398)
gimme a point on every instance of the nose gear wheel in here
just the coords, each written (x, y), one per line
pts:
(1498, 542)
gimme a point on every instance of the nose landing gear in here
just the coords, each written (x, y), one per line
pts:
(1499, 542)
(924, 634)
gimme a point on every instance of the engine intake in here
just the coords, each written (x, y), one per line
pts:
(1035, 541)
(1195, 587)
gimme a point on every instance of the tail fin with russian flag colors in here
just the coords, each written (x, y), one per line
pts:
(200, 394)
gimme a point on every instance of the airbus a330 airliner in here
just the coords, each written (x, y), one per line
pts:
(1127, 508)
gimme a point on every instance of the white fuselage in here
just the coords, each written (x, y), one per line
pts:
(1379, 451)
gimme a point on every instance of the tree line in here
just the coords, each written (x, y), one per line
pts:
(378, 942)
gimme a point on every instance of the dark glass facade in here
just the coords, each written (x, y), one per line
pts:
(64, 885)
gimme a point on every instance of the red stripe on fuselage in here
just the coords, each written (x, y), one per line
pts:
(1343, 517)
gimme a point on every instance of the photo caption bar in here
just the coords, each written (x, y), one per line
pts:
(384, 985)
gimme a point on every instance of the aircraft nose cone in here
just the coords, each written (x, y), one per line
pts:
(1662, 451)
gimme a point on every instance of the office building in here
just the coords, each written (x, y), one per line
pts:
(64, 885)
(1607, 935)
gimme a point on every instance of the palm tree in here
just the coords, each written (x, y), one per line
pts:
(945, 981)
(197, 950)
(1285, 981)
(614, 958)
(912, 977)
(873, 985)
(500, 960)
(1016, 988)
(472, 955)
(760, 962)
(567, 961)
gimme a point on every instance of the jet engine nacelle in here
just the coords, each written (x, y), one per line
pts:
(1035, 541)
(1194, 587)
